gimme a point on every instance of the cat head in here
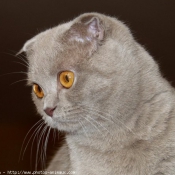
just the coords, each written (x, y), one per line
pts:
(83, 71)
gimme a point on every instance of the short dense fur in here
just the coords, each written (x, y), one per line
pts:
(119, 115)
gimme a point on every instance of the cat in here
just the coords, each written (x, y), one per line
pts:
(92, 80)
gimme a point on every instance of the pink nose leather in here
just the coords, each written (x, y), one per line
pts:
(49, 111)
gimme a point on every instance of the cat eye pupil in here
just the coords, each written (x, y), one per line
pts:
(67, 78)
(39, 89)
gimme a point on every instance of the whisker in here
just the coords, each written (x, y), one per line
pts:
(107, 114)
(42, 158)
(72, 108)
(9, 54)
(18, 81)
(92, 124)
(30, 139)
(18, 56)
(84, 130)
(98, 113)
(21, 64)
(100, 125)
(54, 135)
(40, 141)
(36, 135)
(46, 142)
(45, 147)
(26, 137)
(75, 112)
(14, 73)
(22, 59)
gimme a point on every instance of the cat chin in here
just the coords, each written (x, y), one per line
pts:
(48, 120)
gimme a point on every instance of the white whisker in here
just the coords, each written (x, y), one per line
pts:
(26, 137)
(14, 73)
(46, 142)
(36, 135)
(84, 130)
(92, 124)
(18, 81)
(99, 113)
(100, 125)
(21, 64)
(23, 58)
(38, 145)
(55, 131)
(31, 138)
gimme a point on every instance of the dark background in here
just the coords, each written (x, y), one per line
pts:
(151, 21)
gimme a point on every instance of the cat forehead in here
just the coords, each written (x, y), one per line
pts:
(68, 45)
(62, 48)
(49, 42)
(50, 52)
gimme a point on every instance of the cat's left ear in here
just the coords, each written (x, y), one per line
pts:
(87, 29)
(95, 28)
(27, 46)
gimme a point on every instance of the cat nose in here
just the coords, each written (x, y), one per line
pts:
(49, 111)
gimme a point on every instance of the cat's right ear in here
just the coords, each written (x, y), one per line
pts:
(27, 46)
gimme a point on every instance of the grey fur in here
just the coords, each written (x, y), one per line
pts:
(119, 115)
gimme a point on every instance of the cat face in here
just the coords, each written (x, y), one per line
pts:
(80, 72)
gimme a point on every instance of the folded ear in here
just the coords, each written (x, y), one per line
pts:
(88, 29)
(27, 46)
(94, 27)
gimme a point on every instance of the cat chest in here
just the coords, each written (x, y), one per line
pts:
(121, 161)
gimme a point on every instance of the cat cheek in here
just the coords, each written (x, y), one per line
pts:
(38, 103)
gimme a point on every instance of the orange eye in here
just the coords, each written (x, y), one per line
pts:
(38, 91)
(67, 79)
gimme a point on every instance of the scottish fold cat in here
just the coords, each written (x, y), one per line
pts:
(92, 80)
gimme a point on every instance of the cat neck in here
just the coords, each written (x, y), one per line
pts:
(102, 140)
(147, 121)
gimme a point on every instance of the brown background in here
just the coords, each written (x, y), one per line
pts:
(152, 23)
